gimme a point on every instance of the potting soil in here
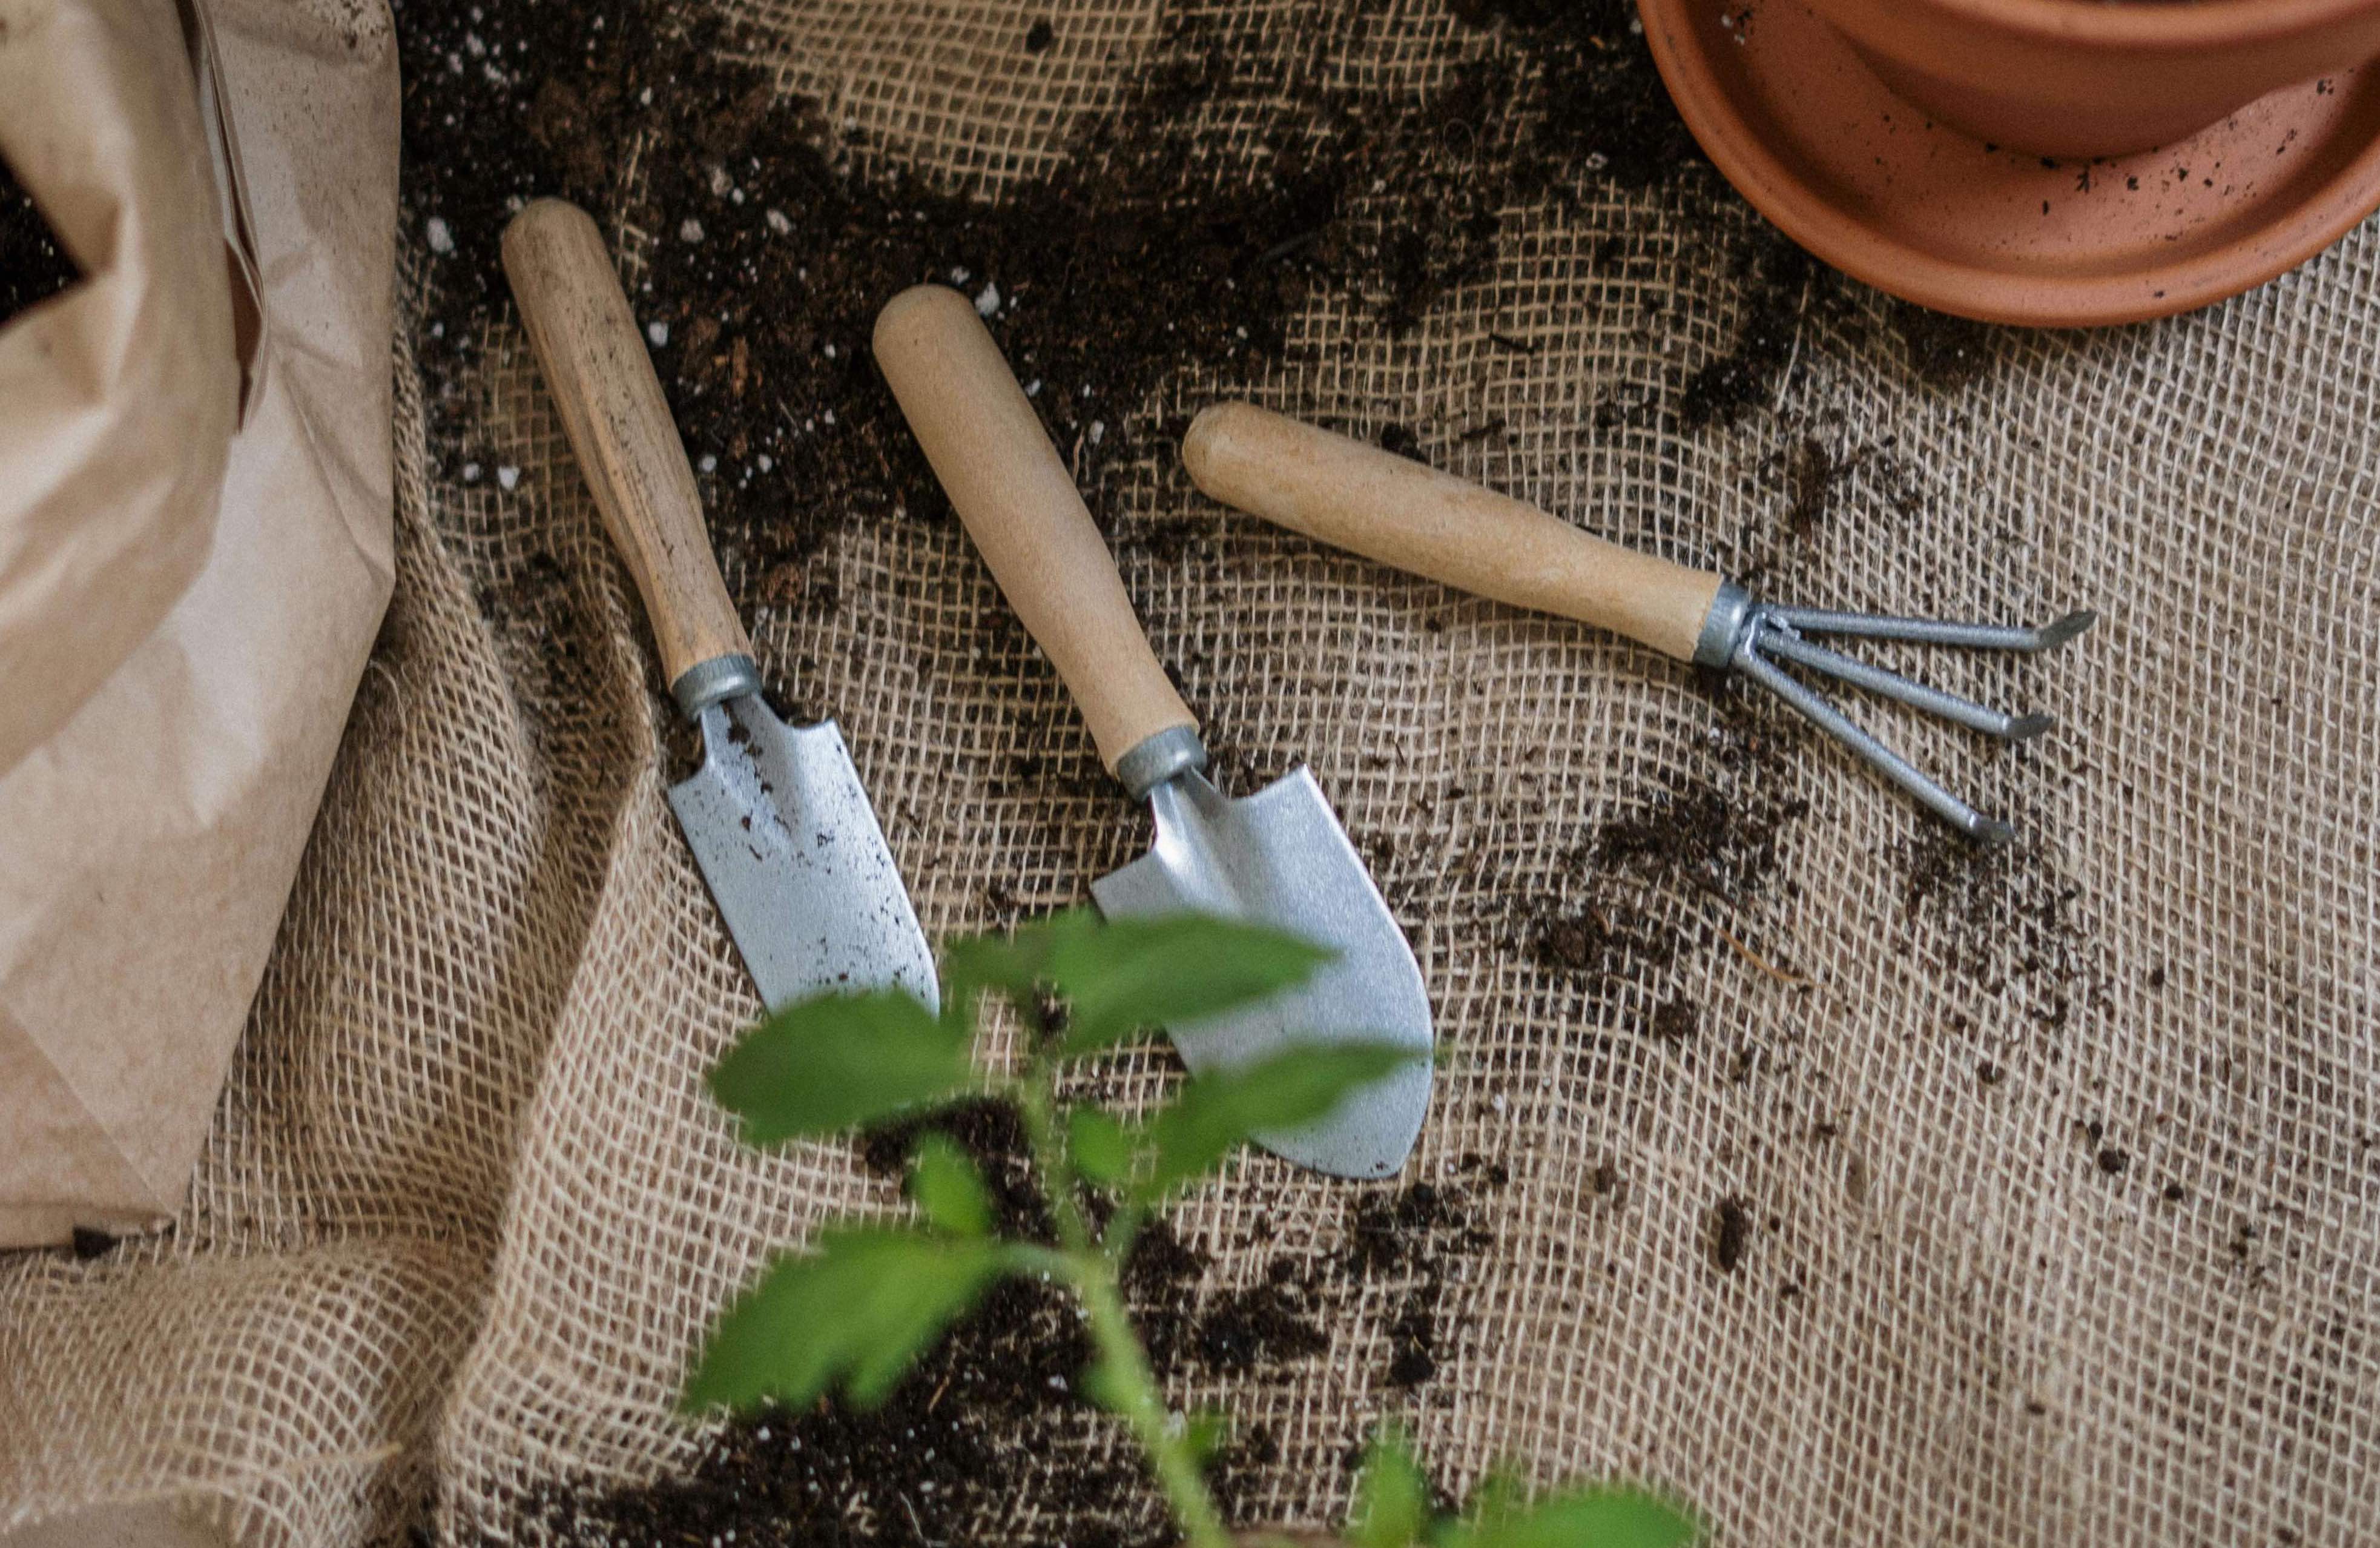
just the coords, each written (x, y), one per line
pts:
(1787, 1154)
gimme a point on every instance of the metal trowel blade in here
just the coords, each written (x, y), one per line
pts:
(801, 873)
(1279, 858)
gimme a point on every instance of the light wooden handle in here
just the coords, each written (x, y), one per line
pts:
(596, 367)
(1355, 496)
(1007, 483)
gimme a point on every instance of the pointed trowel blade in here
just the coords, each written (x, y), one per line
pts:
(789, 845)
(1281, 858)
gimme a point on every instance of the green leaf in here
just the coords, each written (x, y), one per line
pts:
(1216, 1112)
(1204, 1432)
(1009, 965)
(1501, 1494)
(1100, 1383)
(947, 1188)
(1606, 1516)
(1131, 975)
(1101, 1149)
(854, 1312)
(1393, 1507)
(829, 1064)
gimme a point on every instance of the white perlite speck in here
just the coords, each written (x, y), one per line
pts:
(441, 236)
(987, 301)
(508, 476)
(658, 332)
(690, 230)
(778, 222)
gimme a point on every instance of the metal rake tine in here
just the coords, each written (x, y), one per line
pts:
(1892, 684)
(1935, 631)
(1899, 770)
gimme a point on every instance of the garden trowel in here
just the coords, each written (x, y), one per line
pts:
(1279, 856)
(775, 815)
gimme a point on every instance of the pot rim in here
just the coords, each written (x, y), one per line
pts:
(1763, 172)
(2161, 24)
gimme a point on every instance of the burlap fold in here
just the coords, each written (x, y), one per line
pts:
(1855, 1189)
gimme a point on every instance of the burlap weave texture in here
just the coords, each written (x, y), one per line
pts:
(2052, 1183)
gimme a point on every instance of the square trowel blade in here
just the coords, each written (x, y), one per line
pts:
(1279, 858)
(786, 839)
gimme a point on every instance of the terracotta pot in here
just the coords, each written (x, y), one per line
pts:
(2084, 78)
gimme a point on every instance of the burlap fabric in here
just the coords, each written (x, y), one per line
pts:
(2049, 1199)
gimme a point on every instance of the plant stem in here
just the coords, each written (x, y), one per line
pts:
(1050, 1161)
(1133, 1386)
(1128, 1384)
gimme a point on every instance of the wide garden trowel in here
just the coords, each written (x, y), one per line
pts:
(775, 815)
(1277, 857)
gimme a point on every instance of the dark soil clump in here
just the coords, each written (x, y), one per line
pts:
(1943, 351)
(2003, 920)
(1160, 1280)
(1597, 943)
(1266, 1323)
(1414, 1236)
(1603, 109)
(1677, 1019)
(1723, 841)
(993, 1136)
(1151, 249)
(33, 266)
(1812, 471)
(772, 243)
(939, 1461)
(1777, 281)
(1413, 1340)
(1731, 1234)
(990, 1423)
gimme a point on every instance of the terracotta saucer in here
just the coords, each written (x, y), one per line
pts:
(1867, 182)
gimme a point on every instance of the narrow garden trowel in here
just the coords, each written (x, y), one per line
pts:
(775, 815)
(1277, 857)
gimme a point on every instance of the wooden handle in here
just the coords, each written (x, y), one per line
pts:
(1355, 496)
(1021, 506)
(595, 365)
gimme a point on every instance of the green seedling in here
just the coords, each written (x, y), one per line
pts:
(852, 1313)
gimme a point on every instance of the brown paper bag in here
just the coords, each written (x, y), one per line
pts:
(195, 539)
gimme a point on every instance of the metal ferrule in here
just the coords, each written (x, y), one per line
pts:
(709, 682)
(1723, 626)
(1175, 750)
